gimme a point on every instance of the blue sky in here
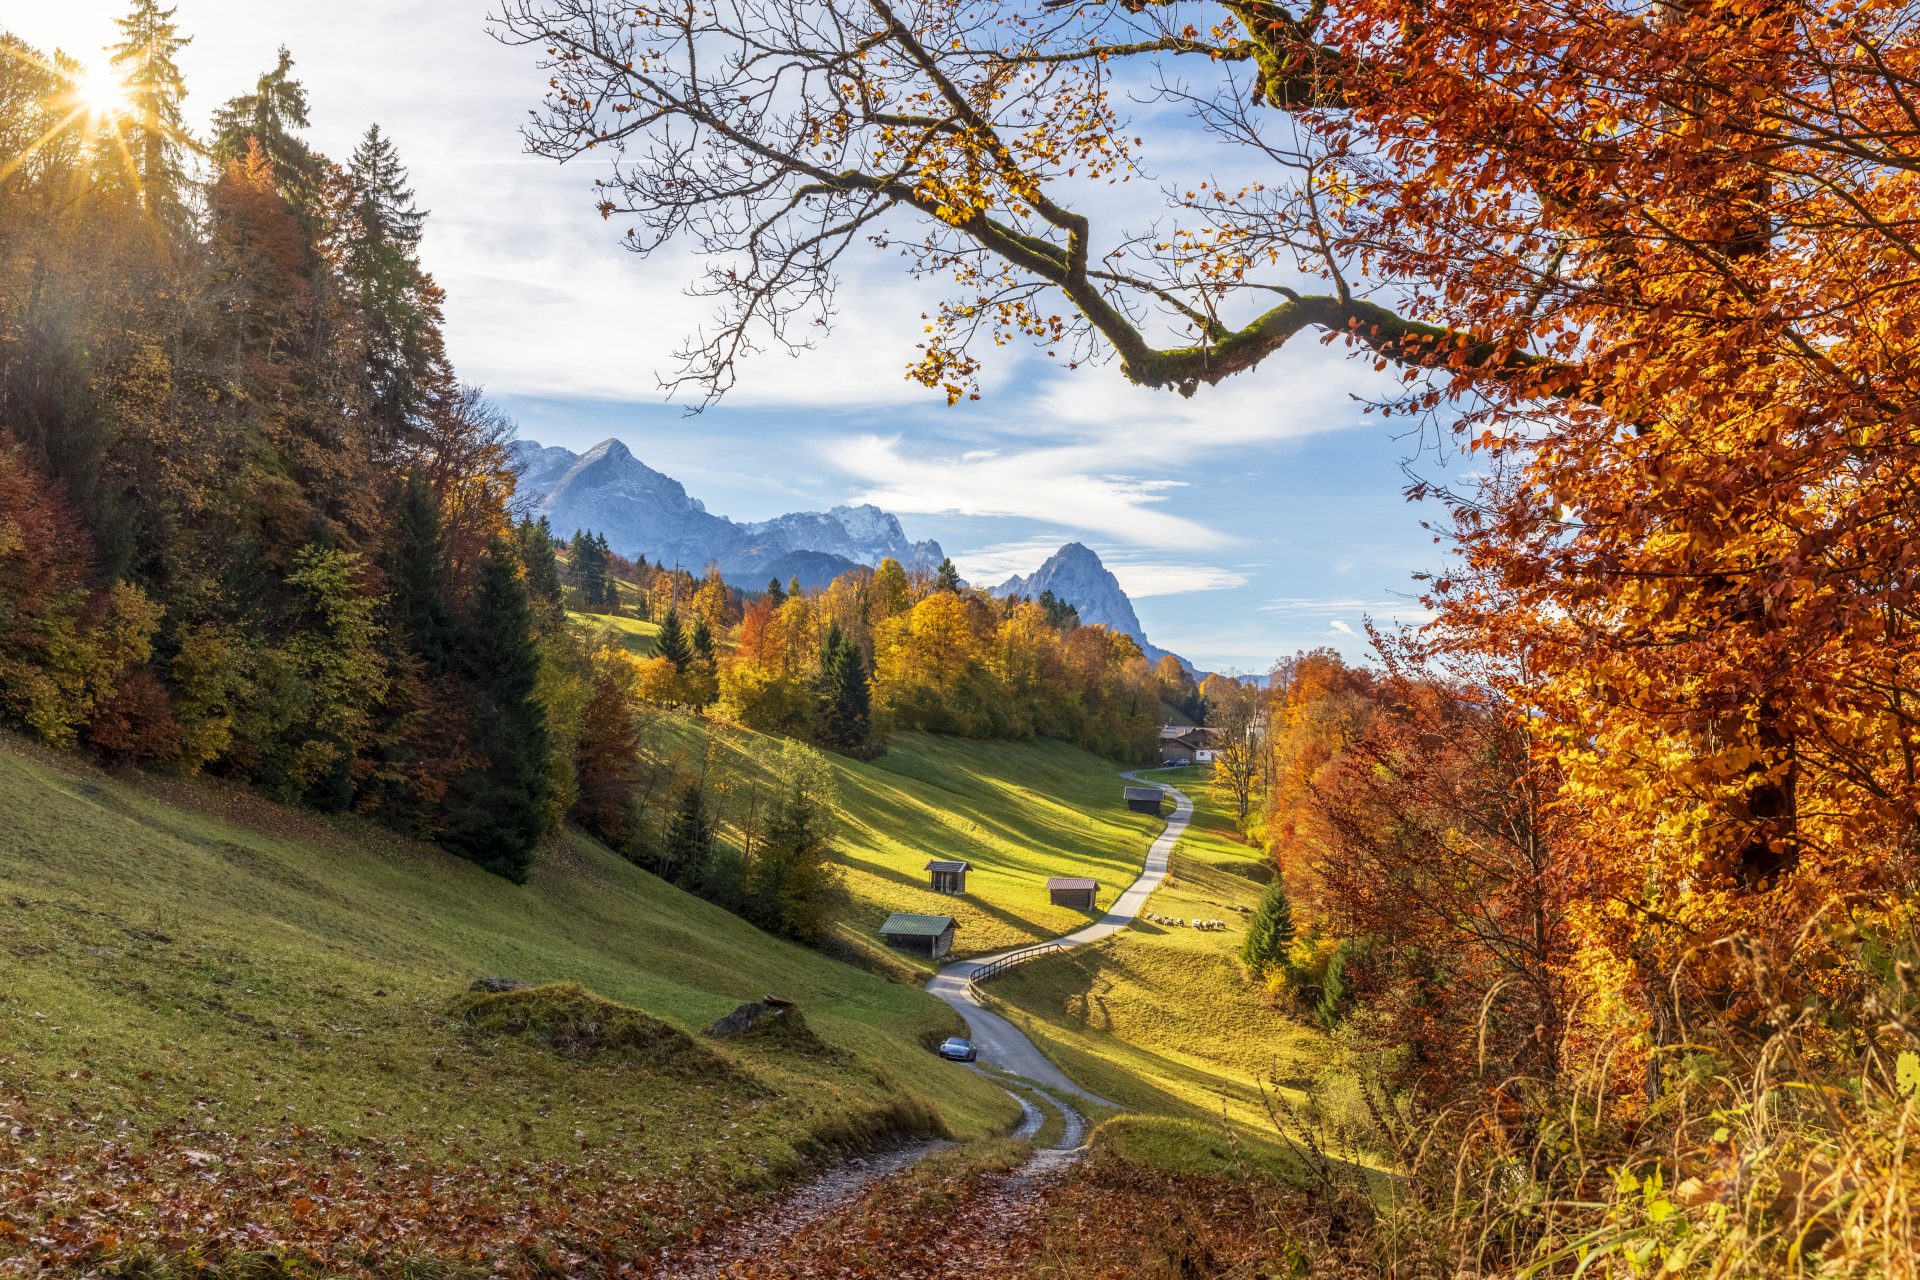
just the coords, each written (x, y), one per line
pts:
(1255, 519)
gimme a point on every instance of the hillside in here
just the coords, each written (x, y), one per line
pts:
(185, 959)
(1159, 1017)
(1020, 812)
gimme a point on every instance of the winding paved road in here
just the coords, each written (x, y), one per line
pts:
(1002, 1044)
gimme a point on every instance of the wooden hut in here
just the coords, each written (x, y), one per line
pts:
(1073, 891)
(949, 875)
(928, 935)
(1144, 799)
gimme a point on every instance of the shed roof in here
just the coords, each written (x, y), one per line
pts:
(1174, 731)
(944, 864)
(1071, 882)
(1144, 793)
(905, 924)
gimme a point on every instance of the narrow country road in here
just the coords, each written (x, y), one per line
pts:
(1001, 1044)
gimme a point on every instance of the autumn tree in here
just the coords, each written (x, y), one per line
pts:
(1236, 731)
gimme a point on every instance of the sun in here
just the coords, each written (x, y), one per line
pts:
(100, 93)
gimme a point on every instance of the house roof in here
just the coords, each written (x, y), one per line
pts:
(1171, 731)
(945, 864)
(1143, 793)
(905, 924)
(1071, 882)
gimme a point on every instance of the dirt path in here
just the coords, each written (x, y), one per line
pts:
(1003, 1045)
(804, 1228)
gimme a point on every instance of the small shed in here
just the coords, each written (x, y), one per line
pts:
(928, 935)
(949, 875)
(1144, 799)
(1072, 891)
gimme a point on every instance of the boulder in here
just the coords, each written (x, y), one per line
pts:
(774, 1019)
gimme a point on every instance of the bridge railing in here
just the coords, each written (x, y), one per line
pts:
(1011, 959)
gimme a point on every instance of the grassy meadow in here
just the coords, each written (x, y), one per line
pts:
(1160, 1018)
(185, 955)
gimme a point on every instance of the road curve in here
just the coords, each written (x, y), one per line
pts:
(1001, 1044)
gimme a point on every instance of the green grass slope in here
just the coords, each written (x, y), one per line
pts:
(1160, 1018)
(185, 954)
(1020, 812)
(641, 639)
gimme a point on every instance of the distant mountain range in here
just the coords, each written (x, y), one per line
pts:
(642, 512)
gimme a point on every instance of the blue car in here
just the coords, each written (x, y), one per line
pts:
(957, 1049)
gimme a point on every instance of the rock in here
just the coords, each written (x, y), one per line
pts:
(499, 984)
(776, 1019)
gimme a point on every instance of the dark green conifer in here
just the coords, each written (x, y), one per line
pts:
(497, 814)
(672, 644)
(1270, 933)
(948, 578)
(418, 577)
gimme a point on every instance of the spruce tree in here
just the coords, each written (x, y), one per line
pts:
(587, 566)
(535, 539)
(776, 594)
(406, 361)
(1270, 933)
(689, 842)
(846, 717)
(272, 115)
(700, 639)
(672, 644)
(791, 882)
(948, 578)
(418, 578)
(496, 814)
(155, 135)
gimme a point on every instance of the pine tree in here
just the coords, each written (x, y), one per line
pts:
(272, 116)
(535, 539)
(700, 638)
(1270, 933)
(672, 644)
(776, 594)
(846, 718)
(417, 580)
(948, 578)
(587, 566)
(156, 136)
(406, 360)
(791, 881)
(689, 842)
(497, 814)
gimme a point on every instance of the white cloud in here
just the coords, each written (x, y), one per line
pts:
(1343, 628)
(1140, 577)
(1065, 485)
(1143, 579)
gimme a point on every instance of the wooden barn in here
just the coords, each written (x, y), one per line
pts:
(928, 935)
(1144, 799)
(949, 875)
(1073, 891)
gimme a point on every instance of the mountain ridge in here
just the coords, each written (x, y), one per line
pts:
(642, 511)
(1076, 575)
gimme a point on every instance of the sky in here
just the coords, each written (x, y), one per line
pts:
(1255, 519)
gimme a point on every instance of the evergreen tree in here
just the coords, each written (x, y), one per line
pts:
(497, 814)
(155, 134)
(846, 717)
(406, 361)
(776, 594)
(793, 586)
(535, 539)
(948, 578)
(689, 843)
(587, 566)
(672, 644)
(417, 580)
(1270, 933)
(701, 639)
(791, 883)
(272, 115)
(609, 600)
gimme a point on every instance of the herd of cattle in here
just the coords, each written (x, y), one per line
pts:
(1181, 922)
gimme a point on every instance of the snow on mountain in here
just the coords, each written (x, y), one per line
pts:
(644, 512)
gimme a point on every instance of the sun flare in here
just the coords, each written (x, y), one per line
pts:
(101, 93)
